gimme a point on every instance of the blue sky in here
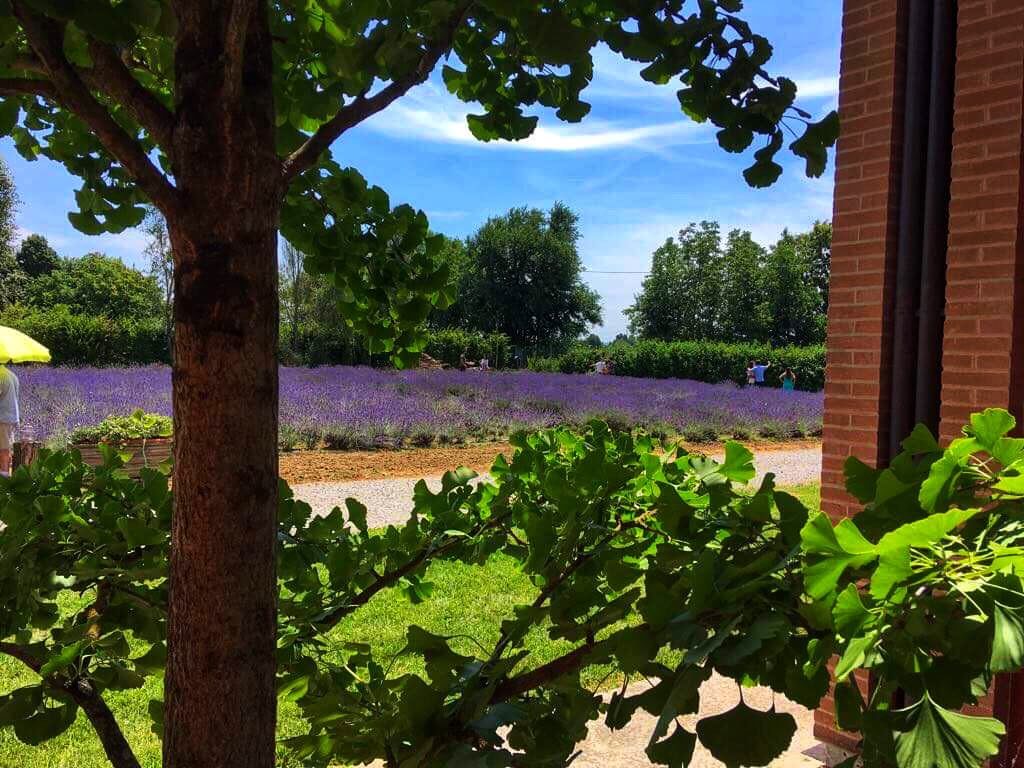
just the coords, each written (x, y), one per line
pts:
(636, 170)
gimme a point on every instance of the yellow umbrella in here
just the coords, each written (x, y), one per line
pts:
(16, 347)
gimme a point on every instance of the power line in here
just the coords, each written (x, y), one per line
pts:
(611, 272)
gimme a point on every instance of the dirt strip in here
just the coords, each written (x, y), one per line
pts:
(344, 466)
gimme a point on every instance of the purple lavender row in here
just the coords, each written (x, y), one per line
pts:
(344, 407)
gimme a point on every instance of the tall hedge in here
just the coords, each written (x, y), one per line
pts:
(86, 340)
(698, 360)
(336, 345)
(448, 344)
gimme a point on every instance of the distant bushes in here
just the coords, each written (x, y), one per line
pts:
(75, 339)
(446, 346)
(697, 360)
(317, 345)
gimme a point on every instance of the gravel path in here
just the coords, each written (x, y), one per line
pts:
(390, 501)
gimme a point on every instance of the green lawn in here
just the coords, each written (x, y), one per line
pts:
(467, 600)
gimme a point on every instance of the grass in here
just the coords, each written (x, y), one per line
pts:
(467, 600)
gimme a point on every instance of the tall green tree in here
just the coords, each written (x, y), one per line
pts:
(791, 300)
(12, 277)
(221, 113)
(742, 305)
(97, 285)
(681, 296)
(454, 255)
(161, 268)
(815, 248)
(523, 279)
(36, 257)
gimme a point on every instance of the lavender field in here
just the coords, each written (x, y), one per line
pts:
(341, 407)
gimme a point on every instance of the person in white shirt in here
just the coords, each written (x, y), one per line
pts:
(599, 367)
(9, 417)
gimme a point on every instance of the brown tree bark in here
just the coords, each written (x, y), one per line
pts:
(220, 703)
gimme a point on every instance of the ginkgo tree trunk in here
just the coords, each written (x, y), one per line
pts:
(221, 113)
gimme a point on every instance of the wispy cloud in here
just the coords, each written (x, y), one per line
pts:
(430, 114)
(616, 78)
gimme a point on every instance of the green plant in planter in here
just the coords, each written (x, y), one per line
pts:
(652, 567)
(117, 429)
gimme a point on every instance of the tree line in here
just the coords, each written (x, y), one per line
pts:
(516, 284)
(702, 287)
(519, 275)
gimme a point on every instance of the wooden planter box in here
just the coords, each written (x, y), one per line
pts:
(149, 452)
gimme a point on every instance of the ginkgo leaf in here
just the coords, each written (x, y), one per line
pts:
(746, 736)
(940, 738)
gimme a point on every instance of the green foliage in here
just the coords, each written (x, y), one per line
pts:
(447, 344)
(12, 277)
(314, 344)
(923, 588)
(13, 282)
(36, 257)
(134, 426)
(645, 561)
(521, 276)
(791, 304)
(383, 264)
(97, 286)
(680, 297)
(699, 360)
(700, 289)
(75, 339)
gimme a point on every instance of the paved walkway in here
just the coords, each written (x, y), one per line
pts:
(390, 501)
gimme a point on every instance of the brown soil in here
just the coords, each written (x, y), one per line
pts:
(341, 466)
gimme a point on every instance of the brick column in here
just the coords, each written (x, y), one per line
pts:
(863, 257)
(983, 345)
(864, 241)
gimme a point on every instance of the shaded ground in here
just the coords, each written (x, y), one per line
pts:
(625, 748)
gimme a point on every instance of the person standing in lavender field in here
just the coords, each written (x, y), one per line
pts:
(759, 371)
(9, 417)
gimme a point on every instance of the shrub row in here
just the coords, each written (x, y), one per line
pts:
(699, 360)
(88, 340)
(75, 340)
(319, 345)
(446, 345)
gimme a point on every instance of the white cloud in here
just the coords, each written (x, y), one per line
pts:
(817, 87)
(444, 215)
(616, 78)
(430, 114)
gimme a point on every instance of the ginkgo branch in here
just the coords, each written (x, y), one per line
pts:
(364, 106)
(47, 40)
(82, 692)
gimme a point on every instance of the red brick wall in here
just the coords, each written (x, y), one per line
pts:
(984, 292)
(864, 239)
(983, 347)
(863, 256)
